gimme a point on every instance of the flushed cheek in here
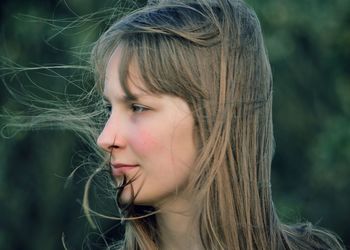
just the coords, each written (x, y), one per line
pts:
(143, 142)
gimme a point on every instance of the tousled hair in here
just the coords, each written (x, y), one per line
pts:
(212, 55)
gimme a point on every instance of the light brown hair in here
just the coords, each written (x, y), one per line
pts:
(212, 55)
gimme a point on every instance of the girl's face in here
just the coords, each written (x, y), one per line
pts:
(150, 138)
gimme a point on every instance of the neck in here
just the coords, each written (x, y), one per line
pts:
(178, 226)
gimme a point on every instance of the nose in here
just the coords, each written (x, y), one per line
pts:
(109, 138)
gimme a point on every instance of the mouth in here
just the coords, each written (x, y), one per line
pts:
(119, 169)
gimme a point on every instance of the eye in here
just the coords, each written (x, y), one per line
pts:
(137, 108)
(108, 108)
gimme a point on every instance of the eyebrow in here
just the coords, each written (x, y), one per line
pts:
(124, 98)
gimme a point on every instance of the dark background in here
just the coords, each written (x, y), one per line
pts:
(309, 48)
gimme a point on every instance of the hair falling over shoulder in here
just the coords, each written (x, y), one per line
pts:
(212, 55)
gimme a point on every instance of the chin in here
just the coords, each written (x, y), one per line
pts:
(139, 200)
(127, 196)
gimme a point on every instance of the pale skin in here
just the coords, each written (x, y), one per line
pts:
(154, 136)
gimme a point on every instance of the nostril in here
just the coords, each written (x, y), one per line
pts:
(106, 143)
(113, 147)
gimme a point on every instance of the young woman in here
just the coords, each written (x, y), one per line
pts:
(188, 139)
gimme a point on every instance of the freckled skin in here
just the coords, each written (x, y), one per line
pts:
(159, 139)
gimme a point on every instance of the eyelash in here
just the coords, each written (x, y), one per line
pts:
(108, 108)
(134, 107)
(137, 108)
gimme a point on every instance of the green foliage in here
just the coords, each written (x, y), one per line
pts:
(309, 48)
(308, 44)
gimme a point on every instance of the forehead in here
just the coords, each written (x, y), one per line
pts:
(123, 76)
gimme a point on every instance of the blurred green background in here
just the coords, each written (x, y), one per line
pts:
(309, 48)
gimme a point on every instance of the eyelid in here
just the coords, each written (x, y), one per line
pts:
(107, 106)
(135, 106)
(105, 102)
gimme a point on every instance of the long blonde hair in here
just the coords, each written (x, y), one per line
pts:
(212, 55)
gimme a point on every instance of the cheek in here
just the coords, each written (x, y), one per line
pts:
(143, 142)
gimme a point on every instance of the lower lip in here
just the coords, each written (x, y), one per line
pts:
(121, 170)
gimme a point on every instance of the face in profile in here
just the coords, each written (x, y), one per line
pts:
(150, 139)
